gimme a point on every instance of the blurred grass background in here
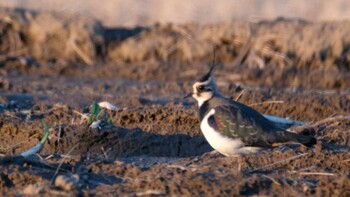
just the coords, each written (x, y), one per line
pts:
(147, 12)
(284, 52)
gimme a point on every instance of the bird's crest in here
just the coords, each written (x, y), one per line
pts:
(207, 76)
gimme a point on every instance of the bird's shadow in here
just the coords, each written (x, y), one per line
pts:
(124, 142)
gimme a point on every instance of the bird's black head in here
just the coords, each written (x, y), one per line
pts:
(205, 88)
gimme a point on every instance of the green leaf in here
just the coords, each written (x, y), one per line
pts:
(46, 133)
(95, 110)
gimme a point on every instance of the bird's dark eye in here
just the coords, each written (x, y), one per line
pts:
(200, 88)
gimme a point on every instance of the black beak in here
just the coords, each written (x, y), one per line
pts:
(188, 95)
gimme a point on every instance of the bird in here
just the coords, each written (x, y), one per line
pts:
(233, 128)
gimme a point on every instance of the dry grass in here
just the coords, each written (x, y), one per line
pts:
(277, 44)
(48, 36)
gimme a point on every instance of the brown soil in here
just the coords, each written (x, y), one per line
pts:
(155, 146)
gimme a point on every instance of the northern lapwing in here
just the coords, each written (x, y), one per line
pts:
(235, 129)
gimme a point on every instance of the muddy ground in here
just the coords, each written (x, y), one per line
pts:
(153, 145)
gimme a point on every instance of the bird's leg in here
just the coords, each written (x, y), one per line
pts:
(239, 163)
(240, 159)
(213, 153)
(243, 159)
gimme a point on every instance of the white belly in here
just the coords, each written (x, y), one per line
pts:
(223, 144)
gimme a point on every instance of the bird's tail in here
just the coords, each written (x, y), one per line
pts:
(300, 138)
(289, 137)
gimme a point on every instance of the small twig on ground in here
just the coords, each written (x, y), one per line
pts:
(63, 156)
(267, 102)
(178, 166)
(59, 166)
(150, 192)
(331, 119)
(281, 161)
(314, 173)
(40, 157)
(84, 116)
(104, 152)
(326, 122)
(67, 156)
(239, 95)
(49, 157)
(272, 179)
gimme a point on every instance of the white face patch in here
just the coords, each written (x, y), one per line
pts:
(201, 97)
(204, 96)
